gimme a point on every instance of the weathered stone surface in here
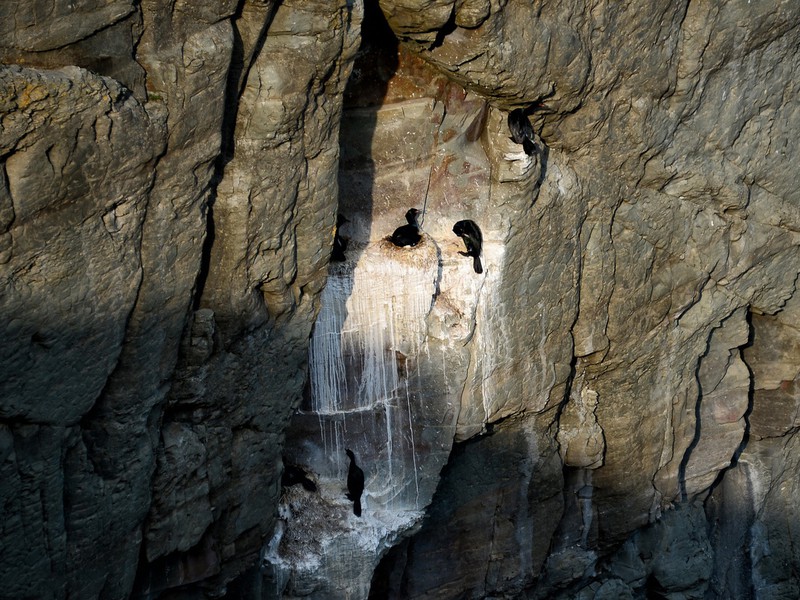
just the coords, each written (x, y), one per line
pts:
(513, 52)
(44, 26)
(421, 19)
(670, 558)
(79, 153)
(165, 233)
(580, 436)
(242, 369)
(490, 526)
(471, 13)
(676, 238)
(145, 259)
(121, 433)
(98, 36)
(181, 511)
(772, 484)
(772, 359)
(723, 386)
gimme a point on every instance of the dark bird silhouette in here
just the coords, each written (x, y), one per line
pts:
(473, 239)
(408, 235)
(521, 130)
(293, 475)
(355, 483)
(339, 242)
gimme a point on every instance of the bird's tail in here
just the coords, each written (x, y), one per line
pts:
(357, 507)
(476, 264)
(528, 146)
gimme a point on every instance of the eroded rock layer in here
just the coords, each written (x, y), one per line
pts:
(608, 410)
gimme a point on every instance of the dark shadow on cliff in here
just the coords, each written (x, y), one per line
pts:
(242, 60)
(185, 572)
(480, 513)
(189, 571)
(375, 64)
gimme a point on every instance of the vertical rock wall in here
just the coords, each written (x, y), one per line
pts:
(666, 181)
(122, 125)
(170, 179)
(80, 157)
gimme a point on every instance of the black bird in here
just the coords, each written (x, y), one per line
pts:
(473, 239)
(408, 235)
(339, 242)
(355, 483)
(521, 130)
(293, 475)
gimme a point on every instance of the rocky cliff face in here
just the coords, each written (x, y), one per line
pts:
(608, 410)
(162, 260)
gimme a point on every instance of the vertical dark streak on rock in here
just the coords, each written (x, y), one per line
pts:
(697, 423)
(730, 513)
(136, 37)
(544, 155)
(205, 257)
(750, 399)
(476, 128)
(562, 404)
(237, 78)
(573, 363)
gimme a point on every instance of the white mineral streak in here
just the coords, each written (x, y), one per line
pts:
(371, 316)
(492, 348)
(328, 383)
(367, 391)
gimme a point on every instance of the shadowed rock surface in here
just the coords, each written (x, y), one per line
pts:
(610, 410)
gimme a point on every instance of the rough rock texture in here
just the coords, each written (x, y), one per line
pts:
(670, 137)
(609, 411)
(80, 156)
(121, 444)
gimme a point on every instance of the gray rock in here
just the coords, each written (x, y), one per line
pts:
(79, 156)
(166, 219)
(242, 371)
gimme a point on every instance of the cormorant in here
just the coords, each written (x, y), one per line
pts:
(521, 130)
(293, 475)
(473, 239)
(355, 483)
(339, 242)
(408, 235)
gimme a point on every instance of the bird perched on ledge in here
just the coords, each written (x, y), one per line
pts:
(521, 133)
(473, 239)
(407, 235)
(355, 483)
